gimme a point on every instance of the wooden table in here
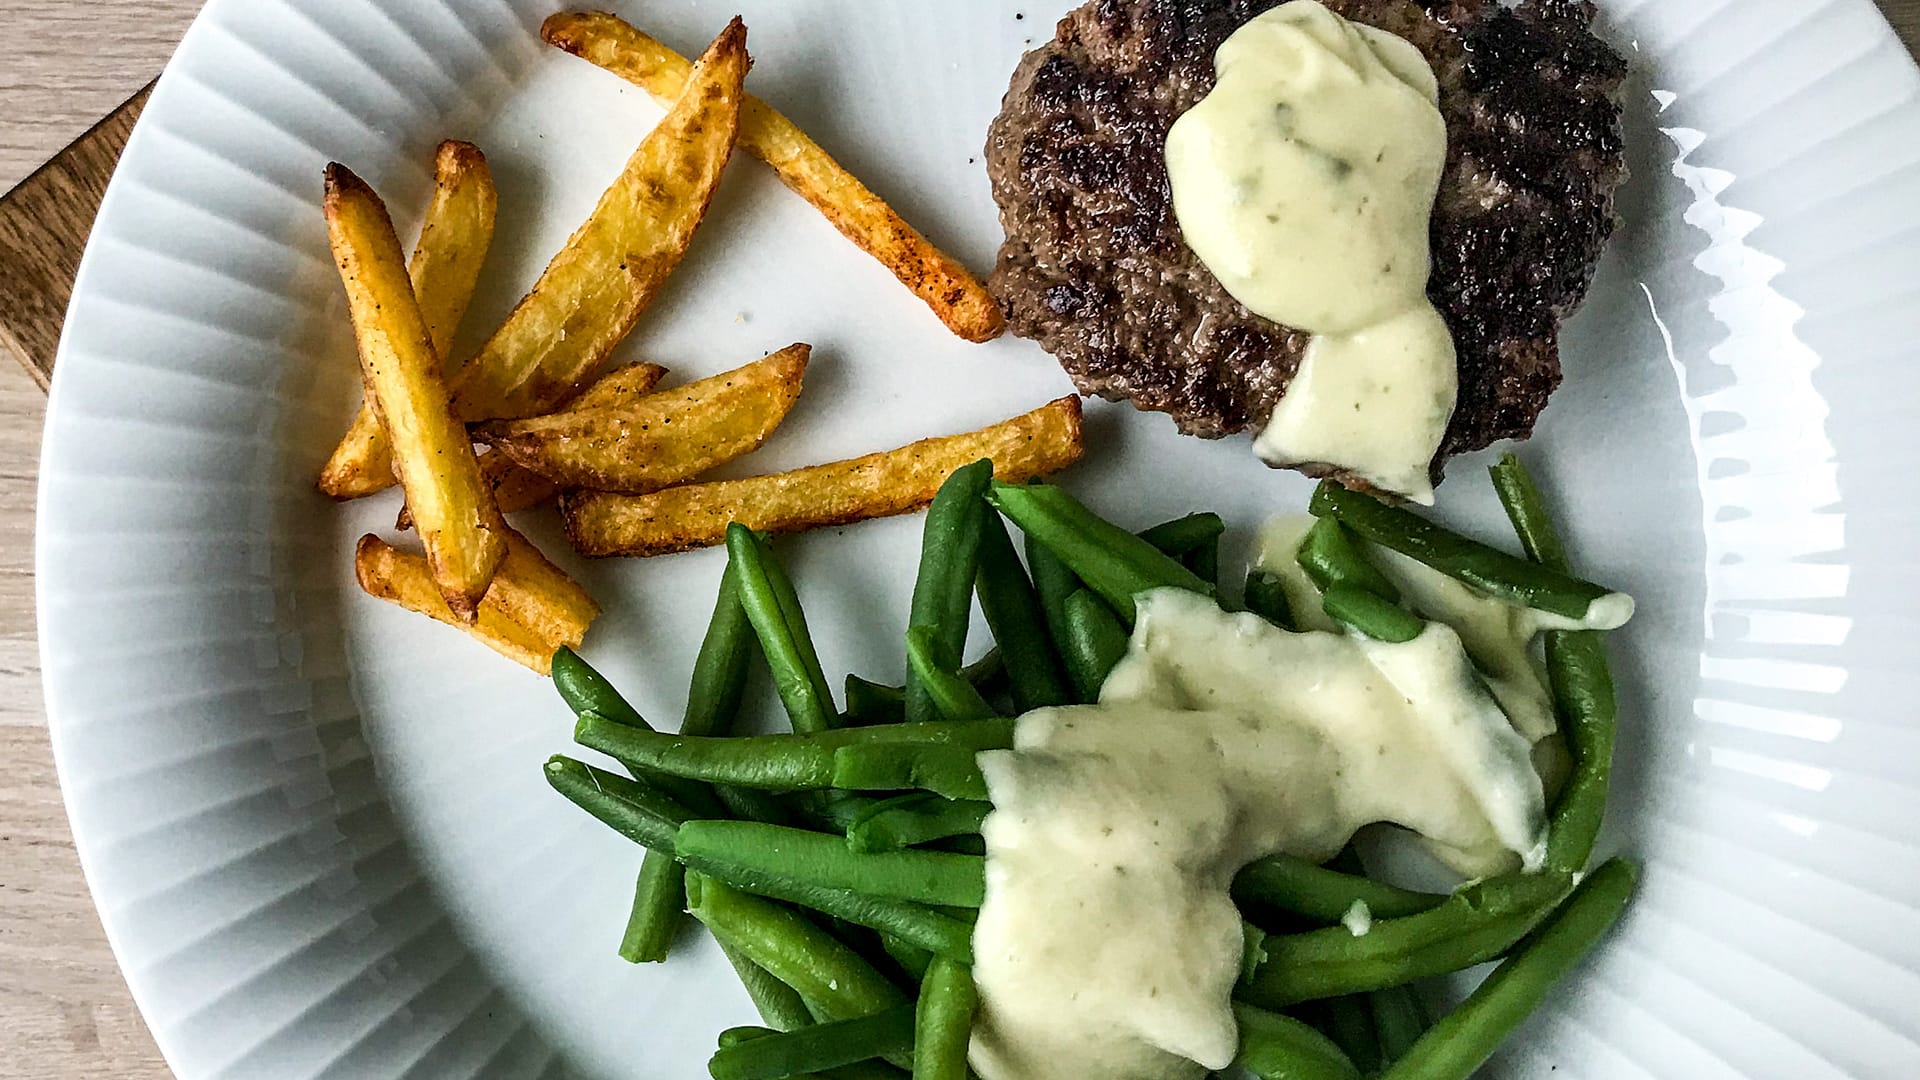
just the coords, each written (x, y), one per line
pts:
(64, 1011)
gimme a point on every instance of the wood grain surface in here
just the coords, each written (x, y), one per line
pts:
(64, 1009)
(42, 222)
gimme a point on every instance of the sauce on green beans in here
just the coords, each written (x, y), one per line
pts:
(1109, 944)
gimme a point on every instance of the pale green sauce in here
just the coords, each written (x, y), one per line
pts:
(1108, 945)
(1305, 182)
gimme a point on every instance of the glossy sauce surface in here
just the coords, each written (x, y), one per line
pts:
(1305, 181)
(1108, 945)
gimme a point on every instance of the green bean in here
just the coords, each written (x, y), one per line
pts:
(943, 1022)
(822, 1046)
(1461, 1042)
(1019, 626)
(1194, 540)
(953, 697)
(822, 970)
(1493, 572)
(713, 704)
(1328, 555)
(1399, 1018)
(1266, 596)
(720, 669)
(926, 877)
(773, 608)
(1582, 684)
(1053, 582)
(882, 704)
(659, 900)
(949, 770)
(1479, 922)
(1205, 562)
(1350, 1026)
(1275, 1047)
(774, 762)
(752, 804)
(1112, 561)
(633, 808)
(1323, 894)
(1520, 497)
(1583, 688)
(1095, 641)
(778, 1004)
(831, 811)
(943, 589)
(1185, 535)
(968, 844)
(734, 1036)
(910, 820)
(586, 690)
(871, 703)
(924, 928)
(912, 959)
(1369, 614)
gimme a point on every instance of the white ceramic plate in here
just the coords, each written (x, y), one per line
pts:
(315, 825)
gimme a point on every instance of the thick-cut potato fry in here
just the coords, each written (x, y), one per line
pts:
(593, 292)
(453, 509)
(446, 262)
(540, 596)
(954, 294)
(894, 482)
(404, 579)
(661, 439)
(621, 386)
(516, 488)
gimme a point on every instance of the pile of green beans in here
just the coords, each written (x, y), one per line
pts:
(839, 864)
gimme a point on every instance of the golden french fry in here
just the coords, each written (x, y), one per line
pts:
(532, 609)
(954, 294)
(453, 509)
(621, 386)
(660, 439)
(540, 596)
(894, 482)
(446, 262)
(516, 488)
(593, 292)
(405, 579)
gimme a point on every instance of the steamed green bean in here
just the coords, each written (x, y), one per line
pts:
(943, 589)
(1112, 561)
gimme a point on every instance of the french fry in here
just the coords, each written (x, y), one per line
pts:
(660, 439)
(540, 596)
(621, 386)
(894, 482)
(516, 488)
(405, 579)
(594, 291)
(954, 294)
(453, 509)
(446, 263)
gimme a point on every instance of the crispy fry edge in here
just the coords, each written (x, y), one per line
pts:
(1071, 440)
(957, 297)
(362, 462)
(466, 546)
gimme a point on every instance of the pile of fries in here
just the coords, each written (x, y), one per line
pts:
(621, 455)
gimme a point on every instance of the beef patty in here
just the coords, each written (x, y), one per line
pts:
(1094, 267)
